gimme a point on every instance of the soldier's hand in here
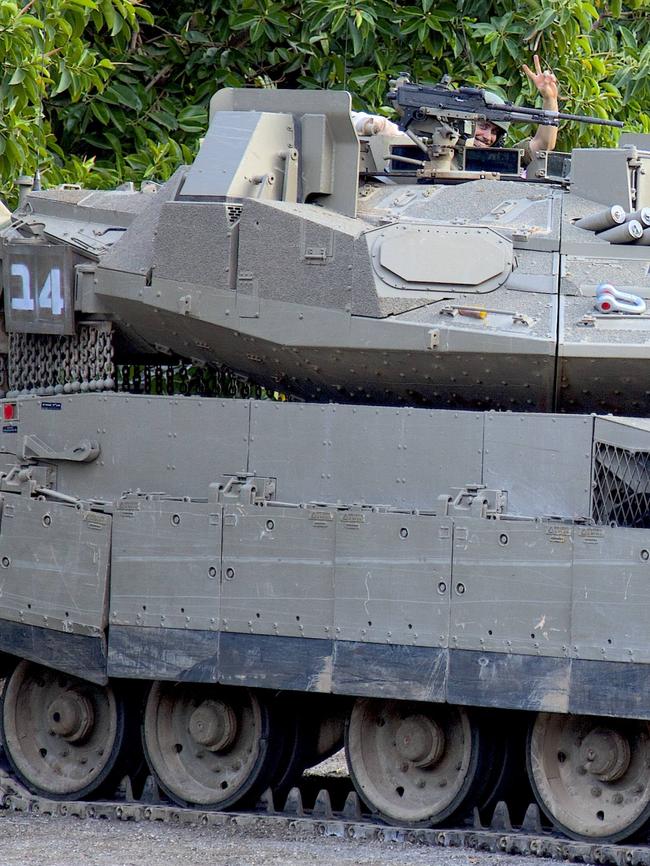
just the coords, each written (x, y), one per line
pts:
(544, 81)
(377, 125)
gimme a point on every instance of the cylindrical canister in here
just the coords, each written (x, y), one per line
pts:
(642, 216)
(627, 233)
(604, 219)
(644, 240)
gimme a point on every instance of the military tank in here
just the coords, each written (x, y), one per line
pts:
(454, 592)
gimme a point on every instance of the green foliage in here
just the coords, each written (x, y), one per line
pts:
(599, 49)
(125, 90)
(49, 60)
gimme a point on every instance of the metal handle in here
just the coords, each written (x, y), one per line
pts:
(85, 452)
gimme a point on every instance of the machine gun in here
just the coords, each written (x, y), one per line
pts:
(435, 116)
(417, 102)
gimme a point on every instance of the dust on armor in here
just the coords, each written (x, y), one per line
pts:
(453, 592)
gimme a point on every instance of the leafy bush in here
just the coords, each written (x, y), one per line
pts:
(124, 90)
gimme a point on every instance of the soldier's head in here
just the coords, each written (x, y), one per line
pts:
(490, 133)
(486, 133)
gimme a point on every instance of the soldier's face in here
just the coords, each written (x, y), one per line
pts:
(485, 134)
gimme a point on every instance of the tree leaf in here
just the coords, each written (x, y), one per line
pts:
(18, 76)
(120, 94)
(545, 19)
(64, 82)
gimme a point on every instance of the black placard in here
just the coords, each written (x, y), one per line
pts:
(38, 283)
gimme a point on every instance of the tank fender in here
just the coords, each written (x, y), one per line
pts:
(54, 566)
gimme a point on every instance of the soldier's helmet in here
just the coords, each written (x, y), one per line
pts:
(494, 99)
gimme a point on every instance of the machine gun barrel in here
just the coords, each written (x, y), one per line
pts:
(544, 117)
(473, 103)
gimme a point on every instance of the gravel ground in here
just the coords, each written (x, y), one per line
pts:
(30, 840)
(46, 841)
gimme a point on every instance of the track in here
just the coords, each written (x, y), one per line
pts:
(321, 819)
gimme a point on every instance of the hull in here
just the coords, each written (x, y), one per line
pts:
(400, 593)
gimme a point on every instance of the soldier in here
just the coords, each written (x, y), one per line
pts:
(491, 133)
(487, 133)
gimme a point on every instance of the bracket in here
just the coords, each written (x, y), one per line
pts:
(474, 500)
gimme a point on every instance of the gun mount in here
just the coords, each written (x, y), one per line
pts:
(436, 117)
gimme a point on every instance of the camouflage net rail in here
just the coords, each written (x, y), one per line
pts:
(296, 821)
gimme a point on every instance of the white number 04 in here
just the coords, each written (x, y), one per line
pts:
(49, 297)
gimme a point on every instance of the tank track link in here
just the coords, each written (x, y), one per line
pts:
(295, 820)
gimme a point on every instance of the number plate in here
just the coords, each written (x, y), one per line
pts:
(38, 284)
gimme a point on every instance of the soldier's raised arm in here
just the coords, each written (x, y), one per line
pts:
(546, 83)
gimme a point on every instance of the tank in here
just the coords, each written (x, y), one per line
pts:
(454, 593)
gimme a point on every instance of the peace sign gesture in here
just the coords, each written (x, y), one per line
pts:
(544, 81)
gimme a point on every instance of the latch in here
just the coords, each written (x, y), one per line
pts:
(246, 488)
(315, 254)
(475, 500)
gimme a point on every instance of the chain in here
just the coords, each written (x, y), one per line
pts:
(46, 365)
(4, 374)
